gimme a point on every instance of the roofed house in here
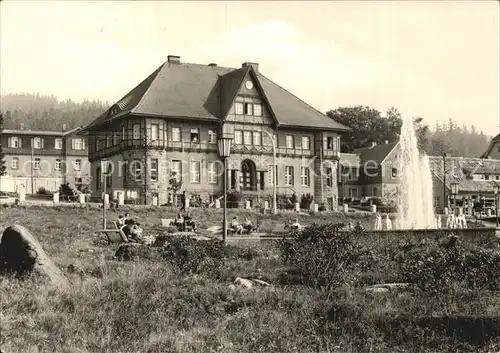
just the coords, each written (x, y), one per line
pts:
(493, 150)
(43, 159)
(378, 174)
(475, 178)
(170, 124)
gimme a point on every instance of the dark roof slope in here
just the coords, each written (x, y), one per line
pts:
(460, 169)
(206, 92)
(490, 146)
(376, 153)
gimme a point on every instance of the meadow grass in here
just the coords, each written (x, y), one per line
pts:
(147, 306)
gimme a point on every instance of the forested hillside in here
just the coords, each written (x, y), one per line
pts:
(369, 125)
(39, 112)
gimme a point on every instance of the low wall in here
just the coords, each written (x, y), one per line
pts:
(479, 236)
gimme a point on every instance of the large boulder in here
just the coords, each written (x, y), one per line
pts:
(21, 254)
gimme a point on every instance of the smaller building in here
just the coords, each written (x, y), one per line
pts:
(475, 178)
(43, 159)
(378, 174)
(349, 188)
(493, 150)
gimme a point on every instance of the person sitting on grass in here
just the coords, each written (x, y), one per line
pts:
(130, 221)
(179, 221)
(188, 222)
(248, 226)
(121, 221)
(236, 226)
(296, 225)
(133, 233)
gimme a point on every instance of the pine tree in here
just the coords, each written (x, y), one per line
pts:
(3, 166)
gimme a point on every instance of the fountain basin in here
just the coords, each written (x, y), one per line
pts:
(479, 236)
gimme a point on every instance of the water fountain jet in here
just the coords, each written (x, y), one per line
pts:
(415, 196)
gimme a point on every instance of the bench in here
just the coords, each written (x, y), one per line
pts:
(115, 235)
(167, 222)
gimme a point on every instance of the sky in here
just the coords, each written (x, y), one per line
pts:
(427, 58)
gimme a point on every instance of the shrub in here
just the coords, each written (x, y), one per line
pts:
(305, 201)
(441, 269)
(323, 255)
(322, 207)
(190, 256)
(43, 191)
(284, 202)
(233, 199)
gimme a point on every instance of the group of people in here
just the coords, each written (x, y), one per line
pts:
(184, 223)
(246, 227)
(130, 228)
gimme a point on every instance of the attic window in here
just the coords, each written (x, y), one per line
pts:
(248, 109)
(238, 107)
(257, 109)
(195, 135)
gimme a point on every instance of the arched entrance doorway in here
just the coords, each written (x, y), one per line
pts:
(248, 175)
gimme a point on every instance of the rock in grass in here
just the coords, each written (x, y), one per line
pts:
(136, 251)
(21, 254)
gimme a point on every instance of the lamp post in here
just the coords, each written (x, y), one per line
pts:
(273, 141)
(495, 191)
(104, 174)
(445, 155)
(454, 192)
(146, 146)
(224, 145)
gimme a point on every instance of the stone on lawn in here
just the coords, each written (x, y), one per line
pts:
(243, 282)
(21, 254)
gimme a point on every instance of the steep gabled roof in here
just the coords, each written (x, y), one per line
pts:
(204, 92)
(377, 153)
(459, 169)
(230, 85)
(490, 146)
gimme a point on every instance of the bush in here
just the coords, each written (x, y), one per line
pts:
(323, 255)
(441, 269)
(284, 202)
(43, 191)
(233, 199)
(305, 201)
(322, 207)
(190, 256)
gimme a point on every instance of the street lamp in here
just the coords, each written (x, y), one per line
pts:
(146, 146)
(445, 155)
(273, 141)
(454, 191)
(224, 145)
(495, 191)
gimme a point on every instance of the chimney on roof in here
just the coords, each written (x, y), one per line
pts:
(21, 127)
(64, 127)
(386, 142)
(174, 59)
(373, 144)
(212, 65)
(255, 66)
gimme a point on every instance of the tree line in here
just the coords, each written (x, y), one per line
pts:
(369, 125)
(42, 112)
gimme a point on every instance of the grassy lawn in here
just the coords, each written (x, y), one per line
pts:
(147, 306)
